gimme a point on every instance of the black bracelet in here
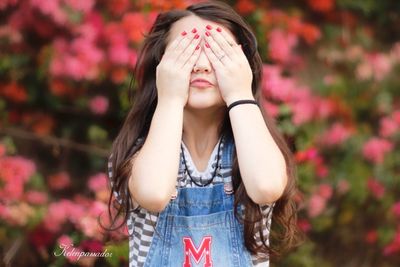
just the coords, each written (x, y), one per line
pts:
(239, 102)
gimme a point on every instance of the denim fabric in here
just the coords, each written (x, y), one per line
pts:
(198, 228)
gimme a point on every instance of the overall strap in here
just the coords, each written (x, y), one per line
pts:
(226, 164)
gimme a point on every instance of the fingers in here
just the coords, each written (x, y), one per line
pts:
(218, 42)
(215, 62)
(192, 59)
(179, 44)
(184, 55)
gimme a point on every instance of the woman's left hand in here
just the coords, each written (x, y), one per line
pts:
(232, 69)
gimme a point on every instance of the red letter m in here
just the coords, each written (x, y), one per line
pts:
(203, 250)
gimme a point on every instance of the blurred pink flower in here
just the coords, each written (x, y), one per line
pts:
(396, 209)
(396, 116)
(119, 54)
(52, 9)
(307, 155)
(78, 5)
(343, 186)
(321, 5)
(136, 24)
(16, 168)
(316, 205)
(371, 237)
(395, 53)
(36, 197)
(388, 126)
(375, 149)
(281, 45)
(80, 59)
(394, 246)
(304, 225)
(376, 188)
(5, 3)
(62, 211)
(325, 191)
(15, 172)
(271, 109)
(374, 65)
(2, 150)
(98, 182)
(98, 105)
(59, 181)
(91, 245)
(335, 135)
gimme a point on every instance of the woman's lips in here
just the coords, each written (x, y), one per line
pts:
(200, 83)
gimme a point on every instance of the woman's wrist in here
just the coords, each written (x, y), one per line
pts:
(236, 97)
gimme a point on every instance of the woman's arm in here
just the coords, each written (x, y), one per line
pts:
(261, 163)
(155, 166)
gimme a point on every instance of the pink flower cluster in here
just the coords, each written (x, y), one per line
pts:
(318, 200)
(336, 134)
(390, 125)
(376, 188)
(98, 104)
(83, 213)
(376, 148)
(311, 155)
(15, 171)
(304, 105)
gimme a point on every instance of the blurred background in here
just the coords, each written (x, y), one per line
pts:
(332, 82)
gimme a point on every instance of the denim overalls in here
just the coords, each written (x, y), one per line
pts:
(198, 228)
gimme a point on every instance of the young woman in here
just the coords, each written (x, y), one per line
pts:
(198, 169)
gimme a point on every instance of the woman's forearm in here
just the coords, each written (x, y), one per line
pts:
(261, 163)
(155, 167)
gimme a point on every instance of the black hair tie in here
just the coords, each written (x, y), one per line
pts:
(240, 102)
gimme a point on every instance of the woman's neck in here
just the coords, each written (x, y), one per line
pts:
(201, 132)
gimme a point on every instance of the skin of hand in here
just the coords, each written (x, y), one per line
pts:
(233, 72)
(173, 71)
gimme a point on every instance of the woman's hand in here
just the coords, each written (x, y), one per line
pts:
(234, 74)
(173, 71)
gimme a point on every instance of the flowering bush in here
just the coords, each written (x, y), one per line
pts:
(330, 82)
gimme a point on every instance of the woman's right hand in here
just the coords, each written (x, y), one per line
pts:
(173, 71)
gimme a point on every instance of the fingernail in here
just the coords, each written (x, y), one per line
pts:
(207, 45)
(208, 33)
(197, 47)
(208, 27)
(194, 30)
(219, 29)
(183, 33)
(196, 36)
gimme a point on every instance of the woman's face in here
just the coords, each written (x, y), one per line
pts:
(200, 97)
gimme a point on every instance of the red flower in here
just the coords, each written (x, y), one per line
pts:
(245, 6)
(376, 188)
(14, 92)
(321, 5)
(371, 237)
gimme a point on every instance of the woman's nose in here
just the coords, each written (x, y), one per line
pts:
(202, 64)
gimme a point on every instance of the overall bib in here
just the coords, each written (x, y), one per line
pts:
(199, 228)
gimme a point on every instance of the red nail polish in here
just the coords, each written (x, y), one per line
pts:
(219, 29)
(194, 30)
(208, 27)
(208, 34)
(183, 33)
(197, 47)
(207, 45)
(196, 36)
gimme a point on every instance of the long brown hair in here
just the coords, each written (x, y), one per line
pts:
(284, 230)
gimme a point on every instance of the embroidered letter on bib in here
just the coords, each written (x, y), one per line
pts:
(203, 250)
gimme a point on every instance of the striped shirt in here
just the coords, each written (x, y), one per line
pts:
(142, 223)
